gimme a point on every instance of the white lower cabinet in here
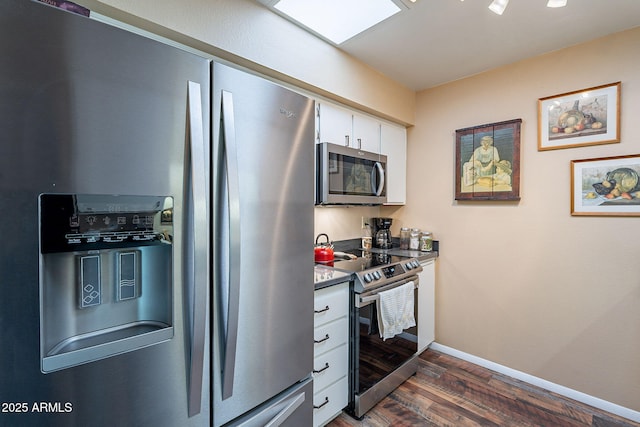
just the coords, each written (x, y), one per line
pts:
(331, 353)
(426, 305)
(329, 402)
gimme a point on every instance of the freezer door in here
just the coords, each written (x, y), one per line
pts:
(293, 408)
(89, 109)
(263, 260)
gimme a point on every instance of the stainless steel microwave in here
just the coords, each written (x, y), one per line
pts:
(348, 176)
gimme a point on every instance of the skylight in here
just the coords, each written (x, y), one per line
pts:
(337, 20)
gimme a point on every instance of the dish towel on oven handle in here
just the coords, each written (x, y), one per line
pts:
(395, 310)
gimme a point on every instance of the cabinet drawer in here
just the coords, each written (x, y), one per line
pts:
(328, 403)
(330, 367)
(331, 303)
(330, 336)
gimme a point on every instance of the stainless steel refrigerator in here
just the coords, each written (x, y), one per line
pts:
(104, 221)
(263, 156)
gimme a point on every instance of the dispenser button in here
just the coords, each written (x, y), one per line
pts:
(127, 276)
(90, 285)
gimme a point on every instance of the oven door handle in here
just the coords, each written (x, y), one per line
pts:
(369, 297)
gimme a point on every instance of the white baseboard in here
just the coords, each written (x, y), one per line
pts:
(556, 388)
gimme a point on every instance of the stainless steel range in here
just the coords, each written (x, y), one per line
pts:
(376, 269)
(378, 366)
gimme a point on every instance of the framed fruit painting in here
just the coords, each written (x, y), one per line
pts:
(583, 117)
(607, 186)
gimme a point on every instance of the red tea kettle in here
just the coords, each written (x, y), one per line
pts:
(323, 252)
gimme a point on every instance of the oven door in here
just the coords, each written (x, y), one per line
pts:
(375, 358)
(346, 175)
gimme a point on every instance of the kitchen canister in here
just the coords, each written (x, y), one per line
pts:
(426, 242)
(414, 239)
(404, 238)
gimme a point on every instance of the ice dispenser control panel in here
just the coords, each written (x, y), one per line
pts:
(85, 222)
(106, 279)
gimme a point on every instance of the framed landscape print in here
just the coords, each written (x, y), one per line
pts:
(606, 186)
(584, 117)
(488, 162)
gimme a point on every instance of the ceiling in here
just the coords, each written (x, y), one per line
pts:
(438, 41)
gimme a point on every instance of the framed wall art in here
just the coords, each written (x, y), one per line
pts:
(488, 162)
(607, 186)
(584, 117)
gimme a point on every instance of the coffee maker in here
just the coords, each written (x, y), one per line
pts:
(381, 232)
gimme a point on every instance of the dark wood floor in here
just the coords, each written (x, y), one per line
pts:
(448, 391)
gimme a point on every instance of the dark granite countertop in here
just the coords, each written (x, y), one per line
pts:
(325, 276)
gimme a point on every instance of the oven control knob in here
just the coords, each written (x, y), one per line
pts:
(409, 266)
(368, 278)
(415, 263)
(377, 275)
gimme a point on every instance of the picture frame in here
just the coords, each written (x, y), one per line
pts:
(580, 118)
(607, 186)
(333, 165)
(488, 161)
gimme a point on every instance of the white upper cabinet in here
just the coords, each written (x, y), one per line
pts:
(335, 125)
(343, 126)
(366, 133)
(394, 145)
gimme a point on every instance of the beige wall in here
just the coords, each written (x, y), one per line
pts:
(248, 34)
(525, 284)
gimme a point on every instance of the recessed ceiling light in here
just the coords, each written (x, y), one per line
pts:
(498, 6)
(337, 20)
(556, 3)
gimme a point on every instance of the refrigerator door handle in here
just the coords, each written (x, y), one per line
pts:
(198, 241)
(282, 416)
(231, 159)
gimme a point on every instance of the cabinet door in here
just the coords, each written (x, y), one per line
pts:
(330, 304)
(328, 403)
(335, 124)
(426, 305)
(331, 352)
(393, 144)
(330, 367)
(366, 133)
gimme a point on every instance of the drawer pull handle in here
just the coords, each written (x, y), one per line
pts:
(326, 366)
(326, 337)
(326, 400)
(321, 311)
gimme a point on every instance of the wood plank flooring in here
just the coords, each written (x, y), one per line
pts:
(448, 391)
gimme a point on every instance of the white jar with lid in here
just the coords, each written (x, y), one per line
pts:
(426, 242)
(414, 239)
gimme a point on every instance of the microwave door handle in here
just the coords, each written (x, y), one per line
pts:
(233, 233)
(379, 171)
(198, 259)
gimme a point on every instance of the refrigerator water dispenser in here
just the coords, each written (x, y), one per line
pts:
(106, 284)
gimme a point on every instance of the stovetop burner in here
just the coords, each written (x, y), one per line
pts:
(366, 260)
